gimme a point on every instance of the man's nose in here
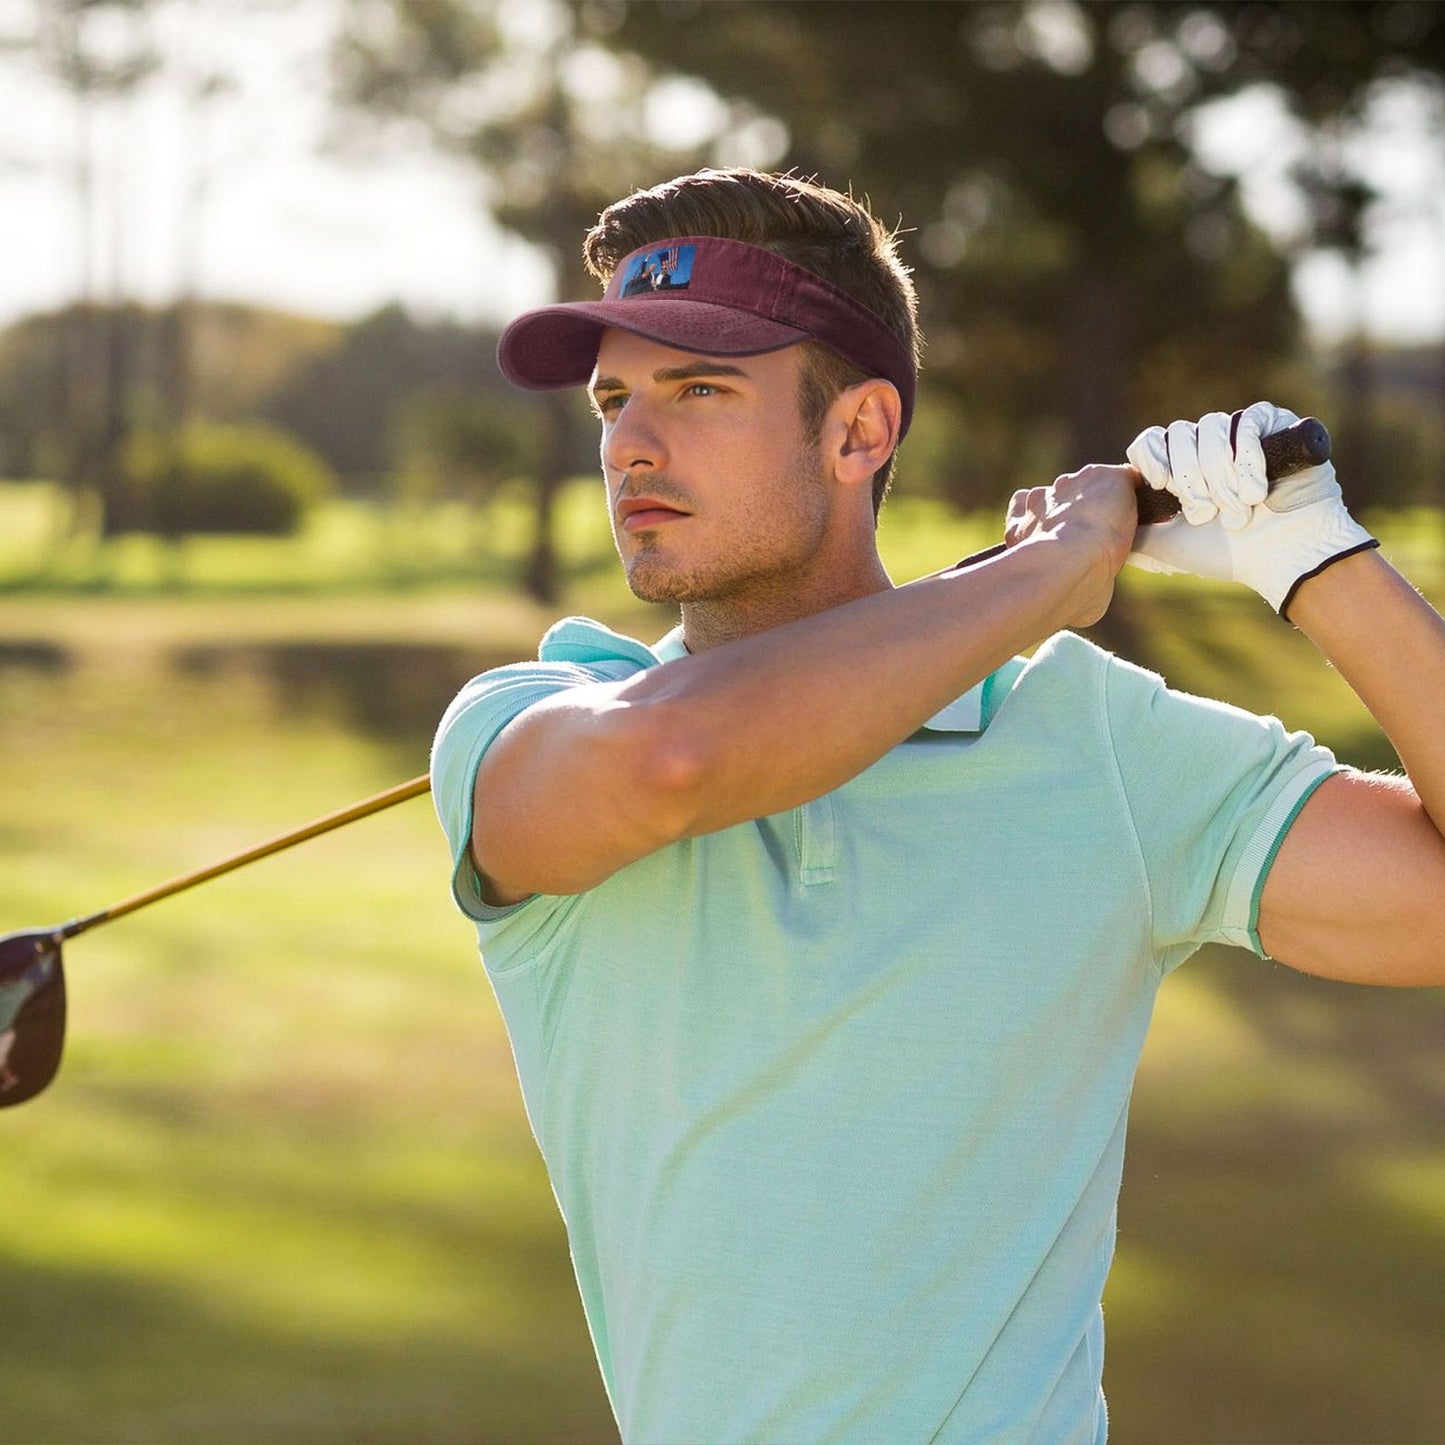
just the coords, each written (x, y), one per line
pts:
(633, 440)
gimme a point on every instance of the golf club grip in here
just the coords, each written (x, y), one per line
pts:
(1305, 444)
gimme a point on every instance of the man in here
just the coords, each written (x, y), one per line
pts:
(827, 930)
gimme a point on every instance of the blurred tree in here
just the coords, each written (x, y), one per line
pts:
(124, 368)
(379, 394)
(555, 125)
(1081, 271)
(34, 415)
(240, 357)
(453, 444)
(1334, 63)
(100, 51)
(358, 402)
(1069, 252)
(202, 77)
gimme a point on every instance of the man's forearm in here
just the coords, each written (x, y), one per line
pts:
(779, 718)
(1388, 643)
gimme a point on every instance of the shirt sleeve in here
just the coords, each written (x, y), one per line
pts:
(1212, 791)
(468, 728)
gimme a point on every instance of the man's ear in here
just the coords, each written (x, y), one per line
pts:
(866, 417)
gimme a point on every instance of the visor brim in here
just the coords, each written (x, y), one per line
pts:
(556, 346)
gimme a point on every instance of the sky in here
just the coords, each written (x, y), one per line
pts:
(255, 198)
(251, 197)
(1401, 292)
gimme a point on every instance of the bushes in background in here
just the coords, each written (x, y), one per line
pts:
(223, 479)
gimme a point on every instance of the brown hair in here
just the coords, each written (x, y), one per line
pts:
(808, 224)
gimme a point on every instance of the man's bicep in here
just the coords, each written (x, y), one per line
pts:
(572, 789)
(1357, 889)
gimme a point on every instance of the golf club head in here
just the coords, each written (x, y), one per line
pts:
(32, 1013)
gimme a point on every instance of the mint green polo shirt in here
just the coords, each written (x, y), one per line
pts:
(833, 1102)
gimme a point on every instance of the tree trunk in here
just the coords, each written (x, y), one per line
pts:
(1353, 438)
(118, 512)
(541, 576)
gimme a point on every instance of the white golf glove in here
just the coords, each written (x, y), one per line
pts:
(1231, 526)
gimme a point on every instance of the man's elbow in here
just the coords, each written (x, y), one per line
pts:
(1418, 958)
(662, 754)
(1409, 952)
(637, 790)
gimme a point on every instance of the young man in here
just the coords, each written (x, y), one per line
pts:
(827, 930)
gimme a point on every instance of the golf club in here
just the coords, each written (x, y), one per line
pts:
(32, 980)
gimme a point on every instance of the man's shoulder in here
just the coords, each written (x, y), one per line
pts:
(1063, 667)
(1068, 652)
(572, 652)
(1073, 688)
(1137, 706)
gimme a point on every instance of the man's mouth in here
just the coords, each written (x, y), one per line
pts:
(637, 513)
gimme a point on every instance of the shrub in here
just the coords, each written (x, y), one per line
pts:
(235, 479)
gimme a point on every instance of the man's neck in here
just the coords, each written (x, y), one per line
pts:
(712, 622)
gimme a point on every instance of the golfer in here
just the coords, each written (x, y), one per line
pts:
(827, 929)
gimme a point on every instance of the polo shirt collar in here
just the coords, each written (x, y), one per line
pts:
(670, 647)
(963, 715)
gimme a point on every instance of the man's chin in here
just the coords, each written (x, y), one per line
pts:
(651, 580)
(649, 587)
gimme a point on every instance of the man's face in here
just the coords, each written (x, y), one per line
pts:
(713, 490)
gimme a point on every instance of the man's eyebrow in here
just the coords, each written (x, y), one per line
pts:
(695, 369)
(691, 372)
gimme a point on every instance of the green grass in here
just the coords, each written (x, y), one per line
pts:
(1282, 1248)
(284, 1189)
(344, 545)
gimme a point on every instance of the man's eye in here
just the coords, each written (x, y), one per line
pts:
(606, 405)
(702, 388)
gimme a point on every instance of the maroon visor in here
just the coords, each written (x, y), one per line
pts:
(708, 296)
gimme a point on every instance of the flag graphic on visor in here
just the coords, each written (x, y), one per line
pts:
(668, 269)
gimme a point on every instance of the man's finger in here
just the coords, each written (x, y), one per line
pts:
(1186, 478)
(1216, 463)
(1249, 430)
(1026, 511)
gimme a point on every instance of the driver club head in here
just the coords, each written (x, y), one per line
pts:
(32, 1013)
(32, 985)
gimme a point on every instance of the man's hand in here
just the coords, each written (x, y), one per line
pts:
(1232, 527)
(1093, 511)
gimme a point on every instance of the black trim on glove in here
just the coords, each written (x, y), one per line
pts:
(1315, 572)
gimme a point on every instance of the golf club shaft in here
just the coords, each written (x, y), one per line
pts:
(363, 809)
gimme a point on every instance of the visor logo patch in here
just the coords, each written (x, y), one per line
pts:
(667, 269)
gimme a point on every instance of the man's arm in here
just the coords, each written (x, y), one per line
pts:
(599, 776)
(1357, 891)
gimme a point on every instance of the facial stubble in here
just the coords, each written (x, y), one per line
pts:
(769, 538)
